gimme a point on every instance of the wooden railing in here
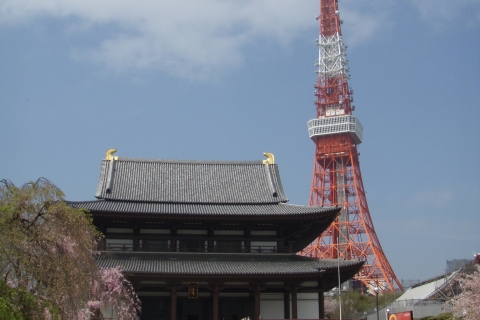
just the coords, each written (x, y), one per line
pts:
(150, 248)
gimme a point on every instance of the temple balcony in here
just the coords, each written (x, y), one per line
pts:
(212, 249)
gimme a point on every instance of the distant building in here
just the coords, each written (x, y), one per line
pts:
(429, 297)
(409, 283)
(212, 240)
(456, 264)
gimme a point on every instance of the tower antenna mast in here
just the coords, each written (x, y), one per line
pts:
(337, 180)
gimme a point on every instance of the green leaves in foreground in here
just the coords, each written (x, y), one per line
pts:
(18, 304)
(46, 248)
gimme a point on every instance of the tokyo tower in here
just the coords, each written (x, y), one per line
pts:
(337, 180)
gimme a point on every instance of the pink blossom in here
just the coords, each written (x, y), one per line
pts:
(466, 305)
(68, 245)
(12, 283)
(95, 305)
(111, 289)
(83, 314)
(330, 306)
(47, 315)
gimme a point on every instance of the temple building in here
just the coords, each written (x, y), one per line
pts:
(203, 240)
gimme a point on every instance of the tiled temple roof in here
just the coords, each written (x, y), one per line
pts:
(240, 191)
(200, 182)
(258, 210)
(206, 264)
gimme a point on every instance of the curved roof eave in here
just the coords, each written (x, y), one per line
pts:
(206, 210)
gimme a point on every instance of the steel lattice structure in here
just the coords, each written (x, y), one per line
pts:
(337, 180)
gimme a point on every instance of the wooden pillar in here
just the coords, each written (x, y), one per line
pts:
(294, 304)
(210, 242)
(173, 304)
(215, 304)
(247, 240)
(321, 304)
(286, 305)
(257, 303)
(136, 241)
(174, 240)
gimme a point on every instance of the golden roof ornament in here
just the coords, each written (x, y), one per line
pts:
(270, 158)
(110, 153)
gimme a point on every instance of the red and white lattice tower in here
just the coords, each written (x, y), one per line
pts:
(337, 180)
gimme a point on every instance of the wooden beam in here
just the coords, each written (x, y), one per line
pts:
(286, 305)
(321, 305)
(294, 304)
(215, 304)
(257, 303)
(173, 303)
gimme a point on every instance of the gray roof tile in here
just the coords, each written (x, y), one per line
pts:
(190, 181)
(201, 209)
(220, 264)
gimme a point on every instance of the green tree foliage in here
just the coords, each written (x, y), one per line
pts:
(46, 246)
(47, 258)
(352, 302)
(19, 304)
(387, 297)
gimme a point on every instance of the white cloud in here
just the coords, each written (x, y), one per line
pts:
(365, 19)
(186, 38)
(442, 14)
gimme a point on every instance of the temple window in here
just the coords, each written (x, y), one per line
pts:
(154, 245)
(228, 246)
(263, 246)
(154, 231)
(119, 244)
(228, 232)
(119, 230)
(191, 245)
(263, 232)
(193, 231)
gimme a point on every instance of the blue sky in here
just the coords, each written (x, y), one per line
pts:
(229, 80)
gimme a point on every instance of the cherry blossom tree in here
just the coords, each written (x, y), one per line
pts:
(330, 307)
(466, 305)
(47, 250)
(111, 291)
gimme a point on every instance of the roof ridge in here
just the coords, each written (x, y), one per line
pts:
(178, 161)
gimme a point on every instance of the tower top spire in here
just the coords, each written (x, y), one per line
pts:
(329, 18)
(332, 91)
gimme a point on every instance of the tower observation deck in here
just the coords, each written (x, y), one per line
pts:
(324, 126)
(337, 180)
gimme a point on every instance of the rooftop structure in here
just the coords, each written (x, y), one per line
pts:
(212, 239)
